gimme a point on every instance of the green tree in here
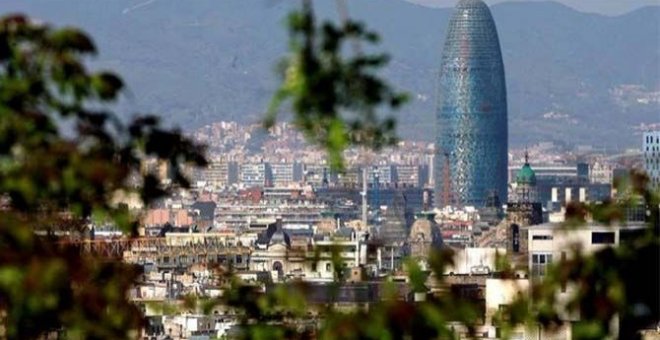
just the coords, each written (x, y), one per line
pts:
(63, 157)
(337, 99)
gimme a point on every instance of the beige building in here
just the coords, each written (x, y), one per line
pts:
(311, 263)
(552, 243)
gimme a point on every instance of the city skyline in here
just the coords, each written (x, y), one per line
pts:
(318, 219)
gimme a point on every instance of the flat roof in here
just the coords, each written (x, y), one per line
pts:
(588, 225)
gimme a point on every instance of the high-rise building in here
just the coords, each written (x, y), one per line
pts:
(219, 173)
(652, 157)
(282, 174)
(472, 132)
(256, 175)
(384, 175)
(412, 175)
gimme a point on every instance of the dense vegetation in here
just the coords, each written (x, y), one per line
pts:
(63, 157)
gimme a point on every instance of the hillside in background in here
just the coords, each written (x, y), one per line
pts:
(572, 77)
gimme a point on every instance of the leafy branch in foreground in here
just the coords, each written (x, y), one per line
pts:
(335, 99)
(63, 157)
(612, 285)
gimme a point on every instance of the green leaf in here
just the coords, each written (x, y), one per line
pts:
(71, 39)
(107, 85)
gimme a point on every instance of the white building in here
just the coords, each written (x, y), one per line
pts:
(219, 173)
(385, 174)
(412, 175)
(285, 174)
(553, 243)
(255, 175)
(651, 151)
(600, 172)
(186, 325)
(312, 263)
(474, 261)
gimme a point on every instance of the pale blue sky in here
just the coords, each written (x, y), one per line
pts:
(607, 7)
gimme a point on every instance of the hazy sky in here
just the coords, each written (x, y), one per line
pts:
(608, 7)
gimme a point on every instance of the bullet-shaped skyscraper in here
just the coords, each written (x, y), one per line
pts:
(472, 133)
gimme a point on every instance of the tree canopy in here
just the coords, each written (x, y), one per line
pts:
(63, 157)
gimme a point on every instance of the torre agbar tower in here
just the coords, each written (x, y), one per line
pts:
(471, 118)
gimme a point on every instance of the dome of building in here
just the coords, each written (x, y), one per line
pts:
(275, 234)
(426, 230)
(280, 237)
(526, 175)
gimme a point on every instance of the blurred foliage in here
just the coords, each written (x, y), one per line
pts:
(63, 156)
(615, 284)
(335, 98)
(53, 179)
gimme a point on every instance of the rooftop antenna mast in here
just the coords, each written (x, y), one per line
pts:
(364, 195)
(446, 181)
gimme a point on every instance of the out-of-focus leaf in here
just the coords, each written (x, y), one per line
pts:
(107, 85)
(71, 39)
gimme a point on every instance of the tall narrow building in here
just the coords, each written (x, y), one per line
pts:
(651, 150)
(472, 133)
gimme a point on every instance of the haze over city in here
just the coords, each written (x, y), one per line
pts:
(565, 69)
(606, 7)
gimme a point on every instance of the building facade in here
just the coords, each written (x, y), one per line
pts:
(256, 175)
(652, 157)
(471, 145)
(412, 175)
(282, 174)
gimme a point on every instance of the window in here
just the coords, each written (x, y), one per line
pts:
(542, 237)
(540, 261)
(602, 237)
(515, 232)
(505, 312)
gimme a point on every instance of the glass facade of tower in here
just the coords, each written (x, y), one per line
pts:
(472, 134)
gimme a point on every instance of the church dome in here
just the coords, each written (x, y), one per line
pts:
(526, 175)
(426, 230)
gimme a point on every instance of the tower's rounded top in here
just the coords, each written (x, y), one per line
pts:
(472, 9)
(462, 4)
(472, 39)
